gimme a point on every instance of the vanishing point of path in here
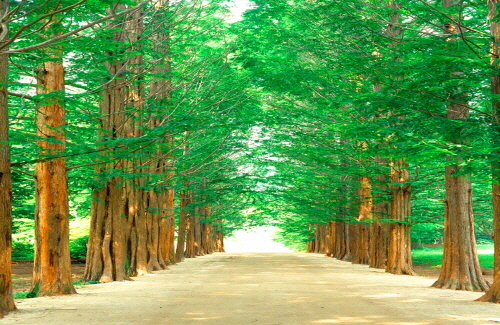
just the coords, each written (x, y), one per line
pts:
(262, 289)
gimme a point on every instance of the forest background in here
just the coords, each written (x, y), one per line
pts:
(155, 127)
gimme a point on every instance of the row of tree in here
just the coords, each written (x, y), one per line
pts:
(389, 111)
(348, 124)
(129, 111)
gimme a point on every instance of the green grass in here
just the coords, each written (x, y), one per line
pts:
(432, 256)
(21, 295)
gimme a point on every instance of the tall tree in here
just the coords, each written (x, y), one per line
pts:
(460, 268)
(493, 293)
(116, 204)
(6, 297)
(52, 265)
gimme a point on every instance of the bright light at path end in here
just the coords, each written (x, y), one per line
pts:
(258, 239)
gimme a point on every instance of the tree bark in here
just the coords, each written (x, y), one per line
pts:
(360, 234)
(342, 248)
(379, 230)
(399, 246)
(183, 224)
(118, 236)
(52, 264)
(219, 240)
(162, 242)
(6, 298)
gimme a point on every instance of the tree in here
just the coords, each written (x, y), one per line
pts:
(52, 265)
(460, 268)
(118, 238)
(6, 297)
(493, 293)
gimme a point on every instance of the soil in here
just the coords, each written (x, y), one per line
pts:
(258, 288)
(22, 273)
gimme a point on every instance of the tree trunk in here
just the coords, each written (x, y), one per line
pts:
(342, 248)
(197, 232)
(160, 105)
(6, 297)
(167, 231)
(379, 230)
(360, 234)
(219, 240)
(493, 293)
(330, 237)
(208, 235)
(460, 270)
(118, 236)
(183, 224)
(52, 264)
(399, 246)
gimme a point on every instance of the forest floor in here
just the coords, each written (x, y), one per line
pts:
(258, 288)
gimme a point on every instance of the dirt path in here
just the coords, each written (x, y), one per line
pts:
(261, 288)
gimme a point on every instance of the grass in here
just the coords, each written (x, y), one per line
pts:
(431, 257)
(21, 295)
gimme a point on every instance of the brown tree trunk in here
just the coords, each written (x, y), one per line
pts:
(379, 230)
(52, 264)
(330, 237)
(360, 234)
(399, 246)
(460, 270)
(208, 235)
(219, 241)
(193, 242)
(493, 293)
(342, 248)
(6, 297)
(189, 253)
(320, 239)
(197, 232)
(167, 228)
(183, 224)
(160, 95)
(207, 239)
(118, 238)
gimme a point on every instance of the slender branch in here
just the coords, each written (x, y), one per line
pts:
(73, 32)
(23, 172)
(21, 163)
(22, 96)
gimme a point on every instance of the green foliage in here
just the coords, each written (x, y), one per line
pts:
(34, 291)
(271, 120)
(22, 295)
(426, 233)
(22, 250)
(78, 247)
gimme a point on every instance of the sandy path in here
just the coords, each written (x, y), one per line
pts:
(261, 288)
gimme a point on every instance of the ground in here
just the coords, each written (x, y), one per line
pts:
(265, 289)
(23, 272)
